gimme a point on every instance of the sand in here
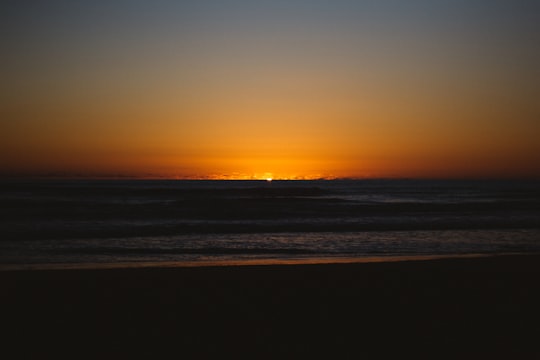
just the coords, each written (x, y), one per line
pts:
(466, 308)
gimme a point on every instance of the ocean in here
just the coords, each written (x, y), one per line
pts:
(100, 223)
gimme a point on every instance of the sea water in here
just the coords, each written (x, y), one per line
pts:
(111, 222)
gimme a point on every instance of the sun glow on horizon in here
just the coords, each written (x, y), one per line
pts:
(269, 177)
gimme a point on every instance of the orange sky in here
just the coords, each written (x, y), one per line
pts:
(282, 91)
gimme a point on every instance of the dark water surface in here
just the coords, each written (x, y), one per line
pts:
(133, 221)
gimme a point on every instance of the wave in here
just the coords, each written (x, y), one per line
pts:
(381, 224)
(191, 251)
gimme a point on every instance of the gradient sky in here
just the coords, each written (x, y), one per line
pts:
(283, 89)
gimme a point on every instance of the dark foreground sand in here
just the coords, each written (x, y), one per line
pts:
(477, 308)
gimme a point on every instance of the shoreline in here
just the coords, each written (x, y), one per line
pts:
(250, 262)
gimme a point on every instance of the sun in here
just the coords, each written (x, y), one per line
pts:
(268, 176)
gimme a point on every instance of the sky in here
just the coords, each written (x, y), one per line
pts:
(292, 89)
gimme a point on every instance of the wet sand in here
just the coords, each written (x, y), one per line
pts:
(447, 308)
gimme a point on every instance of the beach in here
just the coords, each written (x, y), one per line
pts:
(476, 307)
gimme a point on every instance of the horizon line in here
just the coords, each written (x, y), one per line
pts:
(5, 177)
